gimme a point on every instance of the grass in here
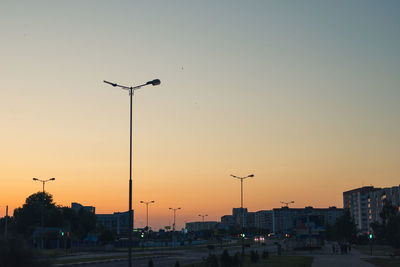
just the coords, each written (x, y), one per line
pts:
(384, 262)
(101, 258)
(273, 261)
(377, 250)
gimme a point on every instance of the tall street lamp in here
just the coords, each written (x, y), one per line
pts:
(131, 92)
(241, 204)
(42, 213)
(202, 216)
(147, 212)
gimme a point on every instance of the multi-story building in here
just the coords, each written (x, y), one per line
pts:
(376, 199)
(356, 201)
(76, 207)
(117, 222)
(200, 226)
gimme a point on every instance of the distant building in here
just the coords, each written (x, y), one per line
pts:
(240, 215)
(200, 226)
(356, 201)
(118, 222)
(228, 221)
(284, 219)
(76, 207)
(263, 220)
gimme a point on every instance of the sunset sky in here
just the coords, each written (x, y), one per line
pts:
(304, 94)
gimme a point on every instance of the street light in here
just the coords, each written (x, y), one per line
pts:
(173, 226)
(203, 216)
(131, 92)
(42, 213)
(241, 204)
(147, 212)
(287, 203)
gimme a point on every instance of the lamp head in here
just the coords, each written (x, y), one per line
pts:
(152, 201)
(141, 201)
(251, 175)
(154, 82)
(52, 179)
(35, 179)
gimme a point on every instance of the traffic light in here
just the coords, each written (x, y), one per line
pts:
(62, 233)
(141, 235)
(242, 235)
(370, 235)
(68, 234)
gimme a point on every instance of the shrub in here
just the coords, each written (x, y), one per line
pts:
(14, 252)
(226, 260)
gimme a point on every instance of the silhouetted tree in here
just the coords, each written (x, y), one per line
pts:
(106, 235)
(151, 264)
(28, 217)
(177, 264)
(345, 228)
(389, 230)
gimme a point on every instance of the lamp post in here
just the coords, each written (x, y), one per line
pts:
(288, 213)
(42, 213)
(287, 203)
(173, 226)
(131, 92)
(241, 204)
(147, 212)
(202, 216)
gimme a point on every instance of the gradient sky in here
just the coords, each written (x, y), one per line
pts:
(304, 94)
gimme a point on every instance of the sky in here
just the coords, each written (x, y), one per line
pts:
(303, 94)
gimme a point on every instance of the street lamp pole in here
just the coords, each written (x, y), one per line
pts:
(173, 226)
(147, 211)
(131, 92)
(202, 216)
(42, 212)
(241, 204)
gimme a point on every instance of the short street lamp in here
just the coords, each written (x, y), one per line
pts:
(42, 213)
(202, 216)
(131, 92)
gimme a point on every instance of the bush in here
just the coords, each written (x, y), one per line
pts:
(212, 261)
(237, 260)
(254, 257)
(14, 252)
(265, 254)
(151, 264)
(226, 260)
(177, 264)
